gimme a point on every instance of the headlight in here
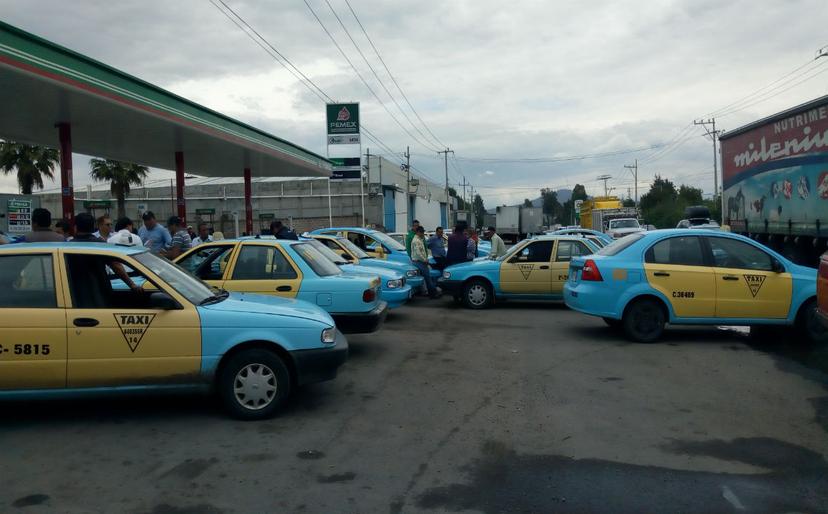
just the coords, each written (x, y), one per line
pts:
(394, 284)
(446, 275)
(329, 335)
(412, 273)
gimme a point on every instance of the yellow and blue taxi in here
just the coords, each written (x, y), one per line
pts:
(688, 276)
(533, 269)
(393, 287)
(373, 242)
(72, 327)
(291, 269)
(356, 255)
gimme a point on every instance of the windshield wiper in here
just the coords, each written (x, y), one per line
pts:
(216, 298)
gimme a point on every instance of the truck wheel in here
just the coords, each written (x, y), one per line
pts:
(644, 321)
(254, 384)
(477, 294)
(809, 325)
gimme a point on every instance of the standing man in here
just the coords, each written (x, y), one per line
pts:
(457, 245)
(282, 232)
(104, 227)
(63, 228)
(124, 234)
(203, 235)
(84, 227)
(154, 236)
(410, 236)
(419, 257)
(42, 228)
(498, 247)
(180, 241)
(438, 249)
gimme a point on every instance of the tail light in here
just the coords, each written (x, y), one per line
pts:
(823, 267)
(590, 272)
(369, 295)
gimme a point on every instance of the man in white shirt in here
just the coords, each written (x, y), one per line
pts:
(498, 247)
(203, 235)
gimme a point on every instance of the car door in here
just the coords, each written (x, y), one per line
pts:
(32, 322)
(677, 268)
(564, 252)
(529, 270)
(259, 267)
(746, 284)
(209, 262)
(115, 337)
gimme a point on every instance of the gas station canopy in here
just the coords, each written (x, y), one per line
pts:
(117, 116)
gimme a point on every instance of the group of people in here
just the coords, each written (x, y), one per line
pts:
(460, 246)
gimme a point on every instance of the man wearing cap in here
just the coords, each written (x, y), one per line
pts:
(180, 241)
(154, 236)
(124, 234)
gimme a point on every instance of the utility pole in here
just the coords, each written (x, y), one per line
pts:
(448, 198)
(713, 134)
(605, 178)
(465, 203)
(368, 173)
(382, 193)
(634, 170)
(408, 188)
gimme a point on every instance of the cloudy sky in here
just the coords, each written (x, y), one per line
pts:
(499, 83)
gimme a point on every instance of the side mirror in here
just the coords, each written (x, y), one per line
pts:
(163, 301)
(777, 266)
(346, 256)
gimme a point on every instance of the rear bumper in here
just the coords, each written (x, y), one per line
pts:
(361, 322)
(320, 364)
(452, 287)
(584, 298)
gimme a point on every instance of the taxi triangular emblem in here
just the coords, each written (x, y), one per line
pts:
(133, 327)
(526, 270)
(754, 282)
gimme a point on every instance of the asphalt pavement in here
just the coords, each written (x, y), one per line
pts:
(527, 407)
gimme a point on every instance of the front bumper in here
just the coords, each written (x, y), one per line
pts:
(320, 364)
(397, 297)
(452, 287)
(415, 282)
(361, 322)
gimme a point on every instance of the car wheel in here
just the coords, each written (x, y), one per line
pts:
(809, 324)
(254, 384)
(613, 323)
(644, 321)
(477, 294)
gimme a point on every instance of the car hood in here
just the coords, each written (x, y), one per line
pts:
(626, 230)
(250, 303)
(384, 273)
(480, 263)
(397, 266)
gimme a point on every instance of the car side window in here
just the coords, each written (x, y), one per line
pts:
(27, 281)
(539, 251)
(261, 262)
(730, 253)
(569, 249)
(358, 239)
(207, 263)
(684, 250)
(94, 284)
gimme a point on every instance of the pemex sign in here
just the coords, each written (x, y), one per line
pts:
(342, 119)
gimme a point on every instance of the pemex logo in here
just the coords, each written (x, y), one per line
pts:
(526, 270)
(754, 283)
(133, 327)
(343, 115)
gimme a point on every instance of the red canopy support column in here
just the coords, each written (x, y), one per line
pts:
(248, 203)
(67, 190)
(179, 187)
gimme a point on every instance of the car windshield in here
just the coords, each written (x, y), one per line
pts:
(619, 245)
(185, 284)
(354, 249)
(320, 264)
(327, 252)
(387, 240)
(624, 224)
(512, 251)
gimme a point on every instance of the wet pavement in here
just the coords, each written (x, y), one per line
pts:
(524, 408)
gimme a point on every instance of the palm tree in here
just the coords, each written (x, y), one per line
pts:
(121, 176)
(31, 162)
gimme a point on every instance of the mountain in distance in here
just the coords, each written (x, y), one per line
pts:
(563, 196)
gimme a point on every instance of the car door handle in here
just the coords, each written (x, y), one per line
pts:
(661, 274)
(543, 267)
(86, 322)
(284, 288)
(730, 277)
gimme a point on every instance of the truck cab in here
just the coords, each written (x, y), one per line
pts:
(620, 227)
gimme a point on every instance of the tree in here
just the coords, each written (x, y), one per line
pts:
(552, 208)
(527, 202)
(628, 202)
(578, 193)
(690, 195)
(31, 162)
(479, 210)
(121, 176)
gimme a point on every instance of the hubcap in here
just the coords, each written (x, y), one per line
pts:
(646, 320)
(255, 386)
(477, 294)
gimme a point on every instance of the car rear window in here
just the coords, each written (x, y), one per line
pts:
(620, 245)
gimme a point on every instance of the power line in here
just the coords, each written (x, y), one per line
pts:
(391, 75)
(544, 160)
